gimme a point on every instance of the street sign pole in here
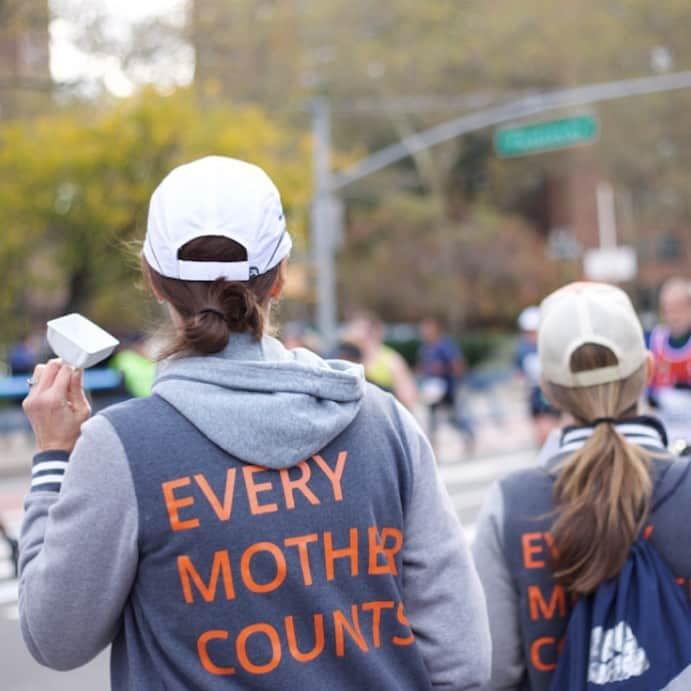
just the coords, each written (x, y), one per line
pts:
(606, 220)
(609, 262)
(322, 217)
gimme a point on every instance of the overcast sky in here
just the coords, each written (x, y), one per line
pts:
(68, 63)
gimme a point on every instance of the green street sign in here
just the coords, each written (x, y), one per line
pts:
(545, 136)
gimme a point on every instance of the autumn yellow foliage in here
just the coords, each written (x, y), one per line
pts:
(74, 191)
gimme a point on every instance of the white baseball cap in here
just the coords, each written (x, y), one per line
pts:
(581, 313)
(222, 197)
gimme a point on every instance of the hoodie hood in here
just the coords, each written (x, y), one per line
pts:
(262, 403)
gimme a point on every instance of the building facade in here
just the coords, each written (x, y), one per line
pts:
(25, 82)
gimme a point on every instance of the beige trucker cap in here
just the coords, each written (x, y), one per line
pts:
(581, 313)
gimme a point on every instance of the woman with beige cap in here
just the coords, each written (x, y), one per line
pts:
(548, 536)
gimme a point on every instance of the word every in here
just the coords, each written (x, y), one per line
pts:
(261, 493)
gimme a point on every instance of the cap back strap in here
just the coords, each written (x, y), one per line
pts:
(593, 377)
(209, 271)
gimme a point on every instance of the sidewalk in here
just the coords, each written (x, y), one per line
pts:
(500, 421)
(16, 452)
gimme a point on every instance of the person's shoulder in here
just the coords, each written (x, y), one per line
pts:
(659, 336)
(397, 360)
(672, 479)
(377, 401)
(132, 409)
(388, 352)
(527, 501)
(393, 360)
(525, 483)
(531, 474)
(382, 410)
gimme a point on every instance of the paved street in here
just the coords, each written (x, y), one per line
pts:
(502, 446)
(18, 672)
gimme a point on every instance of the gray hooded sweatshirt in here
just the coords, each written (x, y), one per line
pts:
(264, 520)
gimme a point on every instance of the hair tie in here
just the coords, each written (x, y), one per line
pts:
(211, 310)
(603, 421)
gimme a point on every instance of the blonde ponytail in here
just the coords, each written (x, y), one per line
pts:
(602, 491)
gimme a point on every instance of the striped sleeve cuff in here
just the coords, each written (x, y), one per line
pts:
(48, 471)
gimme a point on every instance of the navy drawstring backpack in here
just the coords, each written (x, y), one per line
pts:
(633, 633)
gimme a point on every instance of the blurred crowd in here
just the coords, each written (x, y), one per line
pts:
(433, 382)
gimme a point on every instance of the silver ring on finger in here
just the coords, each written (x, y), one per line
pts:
(31, 382)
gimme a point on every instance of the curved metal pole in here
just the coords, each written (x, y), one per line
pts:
(522, 107)
(328, 182)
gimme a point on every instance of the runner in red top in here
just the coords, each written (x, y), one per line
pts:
(670, 343)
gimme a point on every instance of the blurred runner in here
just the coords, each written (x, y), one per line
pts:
(670, 343)
(345, 350)
(383, 365)
(544, 415)
(441, 365)
(23, 356)
(136, 365)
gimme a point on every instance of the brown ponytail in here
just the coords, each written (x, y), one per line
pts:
(603, 490)
(212, 311)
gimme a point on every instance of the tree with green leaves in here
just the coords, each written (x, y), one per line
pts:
(74, 191)
(393, 68)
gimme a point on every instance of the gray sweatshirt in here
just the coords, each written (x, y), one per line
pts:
(265, 519)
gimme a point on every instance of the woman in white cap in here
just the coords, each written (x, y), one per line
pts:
(265, 519)
(547, 536)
